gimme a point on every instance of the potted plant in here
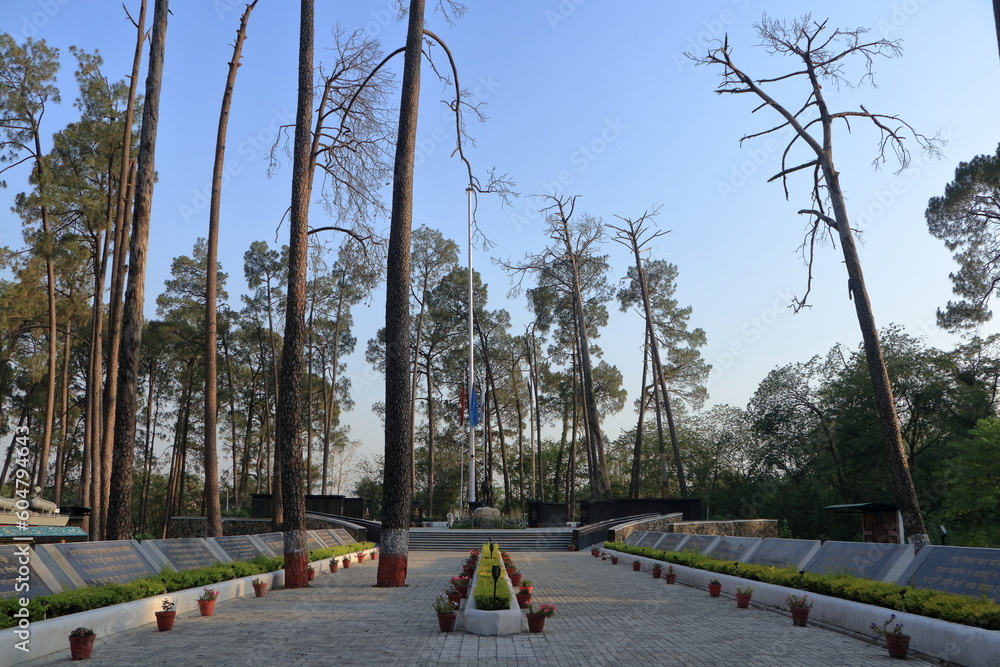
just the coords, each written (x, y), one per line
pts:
(657, 571)
(515, 577)
(334, 564)
(259, 588)
(165, 617)
(896, 642)
(743, 594)
(799, 605)
(595, 552)
(374, 554)
(206, 601)
(671, 575)
(461, 584)
(536, 619)
(446, 612)
(524, 594)
(636, 565)
(714, 587)
(81, 643)
(346, 562)
(312, 573)
(453, 595)
(361, 556)
(614, 560)
(604, 556)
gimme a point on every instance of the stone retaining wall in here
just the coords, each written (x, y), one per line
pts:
(743, 528)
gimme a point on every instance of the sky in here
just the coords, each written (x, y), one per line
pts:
(586, 98)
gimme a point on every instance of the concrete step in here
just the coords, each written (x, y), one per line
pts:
(529, 539)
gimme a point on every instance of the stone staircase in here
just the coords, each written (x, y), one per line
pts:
(528, 539)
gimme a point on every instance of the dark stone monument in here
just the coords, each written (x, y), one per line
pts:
(698, 543)
(345, 537)
(732, 548)
(274, 542)
(330, 537)
(867, 560)
(239, 547)
(184, 553)
(963, 570)
(636, 537)
(13, 584)
(96, 563)
(650, 539)
(313, 541)
(671, 541)
(780, 552)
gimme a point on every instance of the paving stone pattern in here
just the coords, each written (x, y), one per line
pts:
(608, 615)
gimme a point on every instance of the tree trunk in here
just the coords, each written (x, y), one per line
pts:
(430, 440)
(288, 417)
(396, 490)
(120, 496)
(885, 403)
(63, 419)
(637, 451)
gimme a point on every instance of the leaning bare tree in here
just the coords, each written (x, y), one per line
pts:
(822, 54)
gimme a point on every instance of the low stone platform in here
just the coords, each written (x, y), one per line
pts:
(608, 615)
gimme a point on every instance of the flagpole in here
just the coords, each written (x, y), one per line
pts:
(469, 379)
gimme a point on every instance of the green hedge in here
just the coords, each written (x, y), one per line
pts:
(979, 612)
(167, 581)
(482, 594)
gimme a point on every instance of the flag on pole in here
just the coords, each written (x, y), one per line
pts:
(461, 411)
(474, 408)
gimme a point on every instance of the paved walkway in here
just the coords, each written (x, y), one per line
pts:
(608, 615)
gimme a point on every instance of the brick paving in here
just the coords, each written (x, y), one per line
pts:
(608, 615)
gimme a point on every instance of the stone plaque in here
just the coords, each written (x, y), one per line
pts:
(97, 563)
(330, 537)
(671, 541)
(636, 537)
(699, 543)
(963, 570)
(344, 536)
(732, 548)
(780, 552)
(239, 547)
(275, 543)
(650, 539)
(314, 541)
(185, 553)
(867, 560)
(12, 583)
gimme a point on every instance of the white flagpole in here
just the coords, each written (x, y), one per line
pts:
(472, 388)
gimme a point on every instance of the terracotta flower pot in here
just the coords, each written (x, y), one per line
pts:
(447, 621)
(463, 591)
(456, 598)
(260, 590)
(165, 620)
(536, 622)
(671, 577)
(742, 600)
(374, 555)
(523, 600)
(206, 607)
(657, 572)
(614, 560)
(347, 563)
(898, 645)
(515, 579)
(333, 566)
(595, 552)
(636, 565)
(80, 647)
(361, 556)
(714, 590)
(800, 616)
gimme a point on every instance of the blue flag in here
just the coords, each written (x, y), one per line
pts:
(474, 408)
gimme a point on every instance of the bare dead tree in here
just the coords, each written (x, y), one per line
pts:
(823, 54)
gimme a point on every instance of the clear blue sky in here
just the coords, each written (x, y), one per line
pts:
(587, 98)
